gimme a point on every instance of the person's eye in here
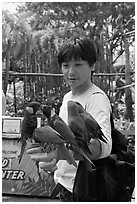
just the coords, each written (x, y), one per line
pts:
(78, 64)
(65, 66)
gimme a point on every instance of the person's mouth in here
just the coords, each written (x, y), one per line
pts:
(72, 79)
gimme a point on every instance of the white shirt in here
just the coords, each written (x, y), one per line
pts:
(99, 107)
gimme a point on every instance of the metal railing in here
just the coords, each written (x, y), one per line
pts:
(45, 86)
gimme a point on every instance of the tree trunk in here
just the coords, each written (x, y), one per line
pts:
(15, 99)
(6, 74)
(128, 96)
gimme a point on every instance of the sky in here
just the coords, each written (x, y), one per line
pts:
(11, 6)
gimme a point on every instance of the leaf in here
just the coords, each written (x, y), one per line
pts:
(8, 31)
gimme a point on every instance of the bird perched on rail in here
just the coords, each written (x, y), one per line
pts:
(93, 129)
(29, 124)
(63, 129)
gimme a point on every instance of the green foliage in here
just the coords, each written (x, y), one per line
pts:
(45, 26)
(15, 32)
(34, 35)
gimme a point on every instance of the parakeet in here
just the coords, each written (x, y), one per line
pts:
(29, 123)
(60, 126)
(93, 129)
(48, 111)
(78, 127)
(47, 135)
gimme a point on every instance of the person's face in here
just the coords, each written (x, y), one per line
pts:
(77, 73)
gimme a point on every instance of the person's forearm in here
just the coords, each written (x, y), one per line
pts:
(94, 146)
(74, 153)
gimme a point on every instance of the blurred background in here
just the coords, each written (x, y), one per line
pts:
(32, 33)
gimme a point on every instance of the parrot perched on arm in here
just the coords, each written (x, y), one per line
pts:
(49, 112)
(78, 127)
(48, 139)
(63, 129)
(84, 128)
(93, 129)
(29, 124)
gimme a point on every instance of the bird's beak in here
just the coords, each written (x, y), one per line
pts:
(41, 107)
(39, 111)
(30, 110)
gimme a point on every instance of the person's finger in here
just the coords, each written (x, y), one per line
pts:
(53, 168)
(39, 156)
(48, 166)
(33, 145)
(34, 150)
(44, 157)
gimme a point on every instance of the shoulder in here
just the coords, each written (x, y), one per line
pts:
(97, 98)
(96, 92)
(67, 96)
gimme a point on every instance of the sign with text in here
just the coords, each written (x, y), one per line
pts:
(20, 178)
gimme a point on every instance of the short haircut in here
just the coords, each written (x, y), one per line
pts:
(78, 48)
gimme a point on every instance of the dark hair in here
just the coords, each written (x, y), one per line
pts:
(78, 48)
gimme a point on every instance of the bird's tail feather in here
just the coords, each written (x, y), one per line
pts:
(86, 157)
(104, 138)
(23, 146)
(63, 149)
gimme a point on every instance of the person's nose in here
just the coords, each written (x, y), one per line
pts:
(71, 70)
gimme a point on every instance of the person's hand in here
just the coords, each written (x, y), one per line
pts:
(47, 161)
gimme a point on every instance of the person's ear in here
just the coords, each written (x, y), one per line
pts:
(93, 68)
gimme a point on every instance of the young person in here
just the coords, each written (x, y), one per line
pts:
(77, 58)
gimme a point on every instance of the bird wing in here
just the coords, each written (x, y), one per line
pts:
(67, 134)
(29, 123)
(93, 127)
(48, 134)
(80, 138)
(88, 118)
(23, 146)
(60, 126)
(91, 124)
(77, 126)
